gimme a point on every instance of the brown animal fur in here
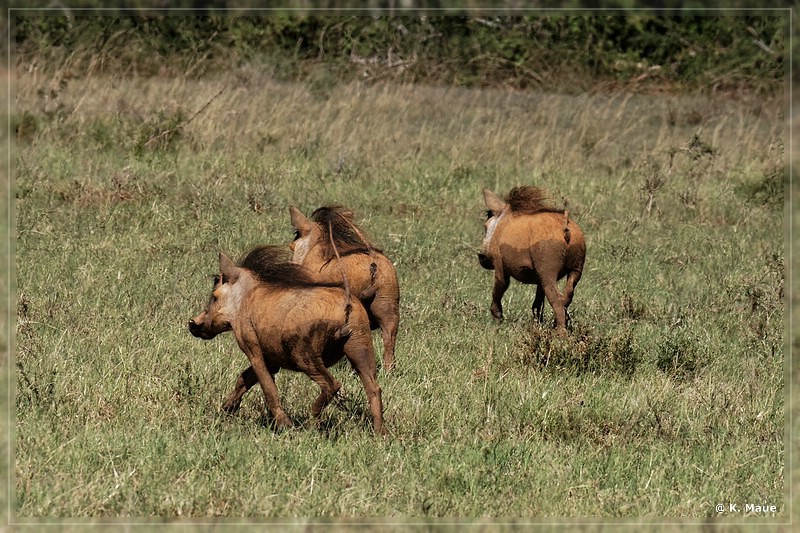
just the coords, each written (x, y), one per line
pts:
(532, 243)
(338, 227)
(272, 264)
(283, 318)
(529, 201)
(371, 275)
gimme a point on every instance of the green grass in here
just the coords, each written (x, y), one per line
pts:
(7, 290)
(666, 398)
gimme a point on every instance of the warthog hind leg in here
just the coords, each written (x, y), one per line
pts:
(556, 302)
(538, 303)
(388, 323)
(362, 359)
(569, 287)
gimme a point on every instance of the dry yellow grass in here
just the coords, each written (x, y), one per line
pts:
(390, 125)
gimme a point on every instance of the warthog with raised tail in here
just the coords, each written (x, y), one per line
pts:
(533, 243)
(335, 249)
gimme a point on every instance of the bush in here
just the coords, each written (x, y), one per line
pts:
(550, 51)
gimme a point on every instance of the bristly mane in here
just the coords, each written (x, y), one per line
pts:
(529, 200)
(347, 237)
(271, 264)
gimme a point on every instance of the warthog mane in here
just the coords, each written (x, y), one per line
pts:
(272, 264)
(529, 200)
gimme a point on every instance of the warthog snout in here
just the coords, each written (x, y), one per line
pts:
(199, 331)
(485, 261)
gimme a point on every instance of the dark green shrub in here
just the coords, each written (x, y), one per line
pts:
(538, 50)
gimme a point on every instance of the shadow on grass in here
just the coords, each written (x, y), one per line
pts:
(335, 421)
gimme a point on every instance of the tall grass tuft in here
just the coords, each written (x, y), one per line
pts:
(584, 350)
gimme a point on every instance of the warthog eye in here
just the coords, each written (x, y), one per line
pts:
(216, 279)
(296, 234)
(489, 214)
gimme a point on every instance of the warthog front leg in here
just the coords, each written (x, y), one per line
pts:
(267, 382)
(244, 382)
(501, 282)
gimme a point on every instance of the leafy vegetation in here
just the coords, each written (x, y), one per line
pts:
(553, 52)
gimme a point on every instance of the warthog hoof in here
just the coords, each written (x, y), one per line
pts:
(283, 422)
(230, 407)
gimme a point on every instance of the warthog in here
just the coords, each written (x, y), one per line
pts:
(533, 243)
(334, 248)
(284, 318)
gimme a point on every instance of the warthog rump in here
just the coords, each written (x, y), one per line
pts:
(283, 318)
(533, 243)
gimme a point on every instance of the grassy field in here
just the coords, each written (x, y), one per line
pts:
(666, 399)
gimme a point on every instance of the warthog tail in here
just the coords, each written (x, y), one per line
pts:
(349, 306)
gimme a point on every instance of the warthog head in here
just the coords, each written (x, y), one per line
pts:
(222, 305)
(495, 209)
(306, 235)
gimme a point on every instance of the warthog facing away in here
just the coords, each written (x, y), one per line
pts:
(334, 249)
(533, 243)
(283, 318)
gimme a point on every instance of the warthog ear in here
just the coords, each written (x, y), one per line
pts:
(299, 220)
(494, 203)
(229, 271)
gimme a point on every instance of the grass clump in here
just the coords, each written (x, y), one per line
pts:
(769, 189)
(161, 132)
(26, 124)
(680, 356)
(584, 349)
